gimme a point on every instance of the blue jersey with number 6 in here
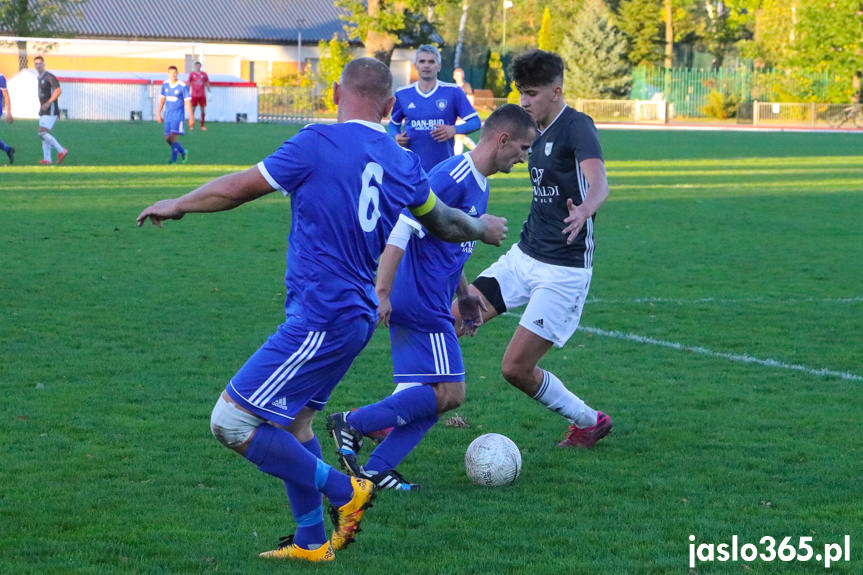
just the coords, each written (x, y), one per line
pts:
(348, 182)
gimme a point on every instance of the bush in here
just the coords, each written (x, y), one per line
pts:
(514, 97)
(495, 79)
(721, 106)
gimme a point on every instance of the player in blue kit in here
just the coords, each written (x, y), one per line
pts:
(6, 103)
(348, 183)
(415, 297)
(429, 109)
(177, 103)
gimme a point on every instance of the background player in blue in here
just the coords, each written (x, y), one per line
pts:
(6, 103)
(550, 269)
(415, 299)
(347, 182)
(429, 108)
(177, 103)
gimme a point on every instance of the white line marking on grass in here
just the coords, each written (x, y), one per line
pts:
(741, 358)
(683, 301)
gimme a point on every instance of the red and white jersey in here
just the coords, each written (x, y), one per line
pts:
(196, 83)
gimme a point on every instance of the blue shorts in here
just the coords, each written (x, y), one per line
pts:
(422, 357)
(174, 125)
(298, 368)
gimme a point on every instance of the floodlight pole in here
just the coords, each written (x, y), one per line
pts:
(300, 24)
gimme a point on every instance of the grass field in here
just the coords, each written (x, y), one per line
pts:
(723, 334)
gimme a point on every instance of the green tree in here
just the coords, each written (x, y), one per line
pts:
(595, 55)
(829, 36)
(34, 18)
(773, 34)
(546, 41)
(495, 79)
(335, 55)
(380, 24)
(726, 23)
(642, 23)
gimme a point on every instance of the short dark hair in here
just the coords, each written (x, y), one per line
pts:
(368, 77)
(536, 68)
(172, 68)
(38, 58)
(510, 118)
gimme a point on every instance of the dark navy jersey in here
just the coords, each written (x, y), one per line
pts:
(422, 112)
(556, 175)
(348, 183)
(47, 84)
(430, 269)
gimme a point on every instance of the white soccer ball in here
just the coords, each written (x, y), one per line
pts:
(492, 460)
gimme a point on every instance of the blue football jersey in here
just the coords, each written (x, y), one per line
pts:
(348, 184)
(2, 87)
(422, 113)
(429, 272)
(175, 99)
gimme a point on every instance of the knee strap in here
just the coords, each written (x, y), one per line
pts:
(232, 426)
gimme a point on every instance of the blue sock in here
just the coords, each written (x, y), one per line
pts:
(396, 410)
(307, 507)
(180, 148)
(279, 453)
(399, 443)
(174, 152)
(3, 146)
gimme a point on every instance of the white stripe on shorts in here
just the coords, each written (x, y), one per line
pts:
(441, 359)
(287, 370)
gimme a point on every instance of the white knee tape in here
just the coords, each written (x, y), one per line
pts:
(231, 425)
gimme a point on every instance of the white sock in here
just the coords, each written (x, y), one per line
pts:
(53, 142)
(404, 386)
(554, 395)
(46, 150)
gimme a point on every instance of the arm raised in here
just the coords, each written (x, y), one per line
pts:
(217, 195)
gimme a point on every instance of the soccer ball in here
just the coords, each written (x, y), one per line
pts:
(492, 460)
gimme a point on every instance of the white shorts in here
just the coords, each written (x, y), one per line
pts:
(554, 295)
(47, 122)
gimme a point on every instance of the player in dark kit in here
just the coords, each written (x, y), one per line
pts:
(49, 111)
(550, 269)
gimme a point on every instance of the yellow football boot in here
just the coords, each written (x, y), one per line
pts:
(287, 550)
(346, 519)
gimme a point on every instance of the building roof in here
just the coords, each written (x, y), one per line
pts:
(258, 21)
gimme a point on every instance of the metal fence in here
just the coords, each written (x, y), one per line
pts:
(812, 114)
(288, 104)
(648, 111)
(688, 90)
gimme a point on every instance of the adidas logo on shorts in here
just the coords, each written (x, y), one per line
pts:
(538, 322)
(281, 403)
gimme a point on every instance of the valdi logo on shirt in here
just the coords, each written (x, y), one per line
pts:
(536, 175)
